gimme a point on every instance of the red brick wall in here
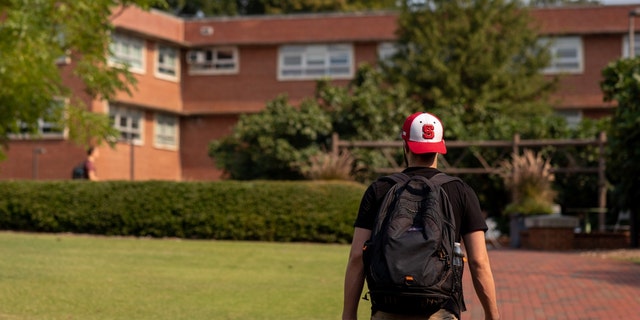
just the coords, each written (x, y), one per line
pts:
(209, 105)
(251, 88)
(112, 164)
(196, 133)
(55, 163)
(548, 239)
(590, 241)
(583, 90)
(153, 91)
(559, 239)
(150, 162)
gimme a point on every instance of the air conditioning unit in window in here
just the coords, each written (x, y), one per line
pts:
(196, 57)
(206, 30)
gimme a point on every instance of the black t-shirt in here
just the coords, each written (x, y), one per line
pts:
(465, 203)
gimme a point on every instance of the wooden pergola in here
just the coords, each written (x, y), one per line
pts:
(506, 147)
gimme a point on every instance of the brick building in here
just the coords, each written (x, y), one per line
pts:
(196, 76)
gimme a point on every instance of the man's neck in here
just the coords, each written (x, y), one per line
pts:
(416, 163)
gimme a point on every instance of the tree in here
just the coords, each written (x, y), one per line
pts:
(274, 143)
(367, 108)
(622, 84)
(311, 6)
(204, 7)
(560, 3)
(476, 63)
(279, 142)
(260, 7)
(34, 34)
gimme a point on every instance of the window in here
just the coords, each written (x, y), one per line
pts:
(566, 55)
(166, 131)
(128, 121)
(167, 65)
(636, 45)
(386, 50)
(573, 117)
(315, 62)
(47, 126)
(127, 50)
(223, 60)
(60, 38)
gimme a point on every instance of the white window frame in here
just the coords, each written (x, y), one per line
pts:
(128, 50)
(636, 46)
(134, 123)
(572, 116)
(316, 61)
(213, 61)
(65, 57)
(565, 44)
(386, 50)
(166, 133)
(167, 65)
(46, 129)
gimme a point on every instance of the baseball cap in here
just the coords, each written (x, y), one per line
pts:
(423, 133)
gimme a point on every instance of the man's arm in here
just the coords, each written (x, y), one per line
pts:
(91, 171)
(481, 274)
(354, 276)
(92, 175)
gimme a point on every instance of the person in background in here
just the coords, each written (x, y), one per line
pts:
(90, 165)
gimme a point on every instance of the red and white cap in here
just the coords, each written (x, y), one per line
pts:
(423, 133)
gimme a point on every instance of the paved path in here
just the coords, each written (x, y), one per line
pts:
(559, 286)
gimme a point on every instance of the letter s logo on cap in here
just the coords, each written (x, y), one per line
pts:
(428, 131)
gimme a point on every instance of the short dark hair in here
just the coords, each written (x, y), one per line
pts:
(90, 150)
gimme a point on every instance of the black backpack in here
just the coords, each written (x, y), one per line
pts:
(79, 171)
(408, 261)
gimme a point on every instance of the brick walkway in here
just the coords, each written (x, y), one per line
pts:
(554, 285)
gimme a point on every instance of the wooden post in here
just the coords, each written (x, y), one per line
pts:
(514, 173)
(335, 149)
(602, 182)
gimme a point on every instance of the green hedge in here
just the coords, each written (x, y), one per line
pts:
(256, 210)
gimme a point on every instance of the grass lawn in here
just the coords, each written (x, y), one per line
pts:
(55, 276)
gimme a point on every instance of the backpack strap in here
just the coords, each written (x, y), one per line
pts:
(397, 180)
(401, 178)
(398, 177)
(442, 178)
(438, 179)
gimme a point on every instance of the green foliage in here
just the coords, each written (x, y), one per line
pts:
(260, 210)
(206, 7)
(475, 64)
(368, 108)
(560, 3)
(622, 84)
(307, 6)
(34, 34)
(580, 190)
(273, 143)
(259, 7)
(281, 141)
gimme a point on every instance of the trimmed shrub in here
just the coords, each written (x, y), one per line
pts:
(230, 210)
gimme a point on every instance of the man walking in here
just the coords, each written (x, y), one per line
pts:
(423, 140)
